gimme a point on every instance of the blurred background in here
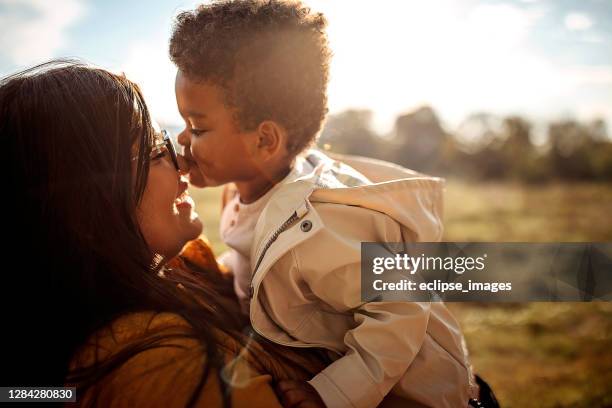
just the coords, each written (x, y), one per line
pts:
(510, 101)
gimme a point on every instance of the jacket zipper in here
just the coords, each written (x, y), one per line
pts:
(297, 214)
(274, 237)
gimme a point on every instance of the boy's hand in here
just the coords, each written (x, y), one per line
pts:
(299, 394)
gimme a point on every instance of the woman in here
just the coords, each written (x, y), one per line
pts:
(100, 207)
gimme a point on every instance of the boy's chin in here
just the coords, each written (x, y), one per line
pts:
(198, 180)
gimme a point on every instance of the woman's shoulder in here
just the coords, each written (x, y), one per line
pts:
(165, 365)
(198, 253)
(125, 330)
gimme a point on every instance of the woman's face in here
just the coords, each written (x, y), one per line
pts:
(166, 212)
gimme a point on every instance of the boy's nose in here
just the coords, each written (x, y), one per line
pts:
(184, 139)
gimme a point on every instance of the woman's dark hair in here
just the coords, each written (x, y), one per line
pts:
(270, 58)
(75, 259)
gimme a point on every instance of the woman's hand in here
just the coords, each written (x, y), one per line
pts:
(299, 394)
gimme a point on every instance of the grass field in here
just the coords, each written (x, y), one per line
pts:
(532, 354)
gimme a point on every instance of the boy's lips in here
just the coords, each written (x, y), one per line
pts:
(196, 177)
(191, 165)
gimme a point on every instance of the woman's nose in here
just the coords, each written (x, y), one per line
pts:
(183, 164)
(183, 184)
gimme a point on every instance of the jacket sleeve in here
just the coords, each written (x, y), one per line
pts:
(385, 337)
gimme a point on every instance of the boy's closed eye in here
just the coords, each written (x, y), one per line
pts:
(197, 132)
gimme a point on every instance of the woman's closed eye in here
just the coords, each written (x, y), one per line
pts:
(159, 154)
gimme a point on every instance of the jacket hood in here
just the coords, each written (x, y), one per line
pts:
(412, 199)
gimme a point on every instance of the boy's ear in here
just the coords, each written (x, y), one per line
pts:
(271, 139)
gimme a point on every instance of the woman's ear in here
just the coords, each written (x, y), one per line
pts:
(271, 139)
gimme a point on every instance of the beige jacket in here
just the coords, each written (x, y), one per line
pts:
(305, 288)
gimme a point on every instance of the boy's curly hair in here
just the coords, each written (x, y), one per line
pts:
(271, 58)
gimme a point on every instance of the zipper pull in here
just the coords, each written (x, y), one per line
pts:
(302, 210)
(251, 291)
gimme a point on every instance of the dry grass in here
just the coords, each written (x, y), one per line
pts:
(536, 354)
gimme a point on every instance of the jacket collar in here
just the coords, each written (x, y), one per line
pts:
(412, 199)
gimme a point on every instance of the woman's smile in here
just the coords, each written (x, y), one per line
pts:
(184, 202)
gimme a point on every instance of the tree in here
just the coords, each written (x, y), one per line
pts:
(420, 140)
(350, 132)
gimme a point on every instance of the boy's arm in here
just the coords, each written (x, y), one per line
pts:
(227, 258)
(381, 346)
(229, 192)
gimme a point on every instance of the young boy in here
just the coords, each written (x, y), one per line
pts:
(251, 87)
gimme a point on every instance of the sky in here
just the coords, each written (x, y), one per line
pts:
(543, 59)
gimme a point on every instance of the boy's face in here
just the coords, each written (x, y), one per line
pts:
(215, 148)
